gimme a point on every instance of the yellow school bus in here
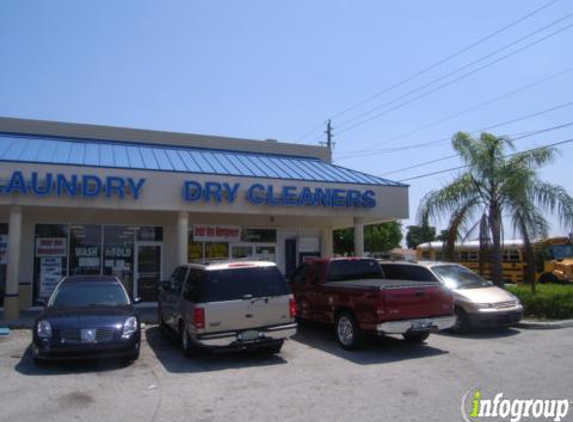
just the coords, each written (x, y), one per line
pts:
(554, 258)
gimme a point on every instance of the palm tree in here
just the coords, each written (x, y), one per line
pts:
(493, 185)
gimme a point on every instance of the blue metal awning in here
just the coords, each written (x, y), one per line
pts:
(123, 155)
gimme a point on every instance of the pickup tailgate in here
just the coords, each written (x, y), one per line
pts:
(409, 300)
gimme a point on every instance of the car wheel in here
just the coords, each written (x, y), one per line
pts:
(189, 349)
(462, 322)
(160, 320)
(348, 333)
(417, 336)
(273, 349)
(135, 354)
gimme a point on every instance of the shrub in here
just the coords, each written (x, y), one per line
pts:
(551, 301)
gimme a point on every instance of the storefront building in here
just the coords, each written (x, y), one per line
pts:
(86, 199)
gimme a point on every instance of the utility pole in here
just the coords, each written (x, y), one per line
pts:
(329, 135)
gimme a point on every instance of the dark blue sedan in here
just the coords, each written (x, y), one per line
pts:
(87, 317)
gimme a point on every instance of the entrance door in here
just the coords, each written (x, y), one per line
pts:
(148, 271)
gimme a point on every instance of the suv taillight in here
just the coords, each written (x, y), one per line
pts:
(199, 318)
(292, 308)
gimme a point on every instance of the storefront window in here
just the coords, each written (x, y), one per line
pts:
(50, 257)
(85, 249)
(118, 253)
(3, 261)
(216, 250)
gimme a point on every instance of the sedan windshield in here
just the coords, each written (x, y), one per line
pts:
(458, 277)
(89, 294)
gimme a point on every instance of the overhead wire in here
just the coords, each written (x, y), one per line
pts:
(434, 65)
(465, 166)
(536, 83)
(448, 83)
(372, 152)
(449, 157)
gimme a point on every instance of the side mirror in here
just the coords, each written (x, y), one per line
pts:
(137, 300)
(164, 285)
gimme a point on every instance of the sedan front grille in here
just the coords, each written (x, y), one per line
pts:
(505, 305)
(104, 334)
(70, 334)
(74, 335)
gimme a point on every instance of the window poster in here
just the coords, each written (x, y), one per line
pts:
(50, 274)
(51, 246)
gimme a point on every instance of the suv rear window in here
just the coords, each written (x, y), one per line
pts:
(235, 284)
(354, 269)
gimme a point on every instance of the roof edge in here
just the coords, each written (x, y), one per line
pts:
(166, 138)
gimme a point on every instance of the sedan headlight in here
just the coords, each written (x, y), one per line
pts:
(44, 329)
(129, 326)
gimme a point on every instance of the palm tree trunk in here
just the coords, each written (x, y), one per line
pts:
(529, 258)
(483, 245)
(496, 250)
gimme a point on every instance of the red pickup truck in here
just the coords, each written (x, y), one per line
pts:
(353, 294)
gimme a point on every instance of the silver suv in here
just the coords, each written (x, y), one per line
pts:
(244, 305)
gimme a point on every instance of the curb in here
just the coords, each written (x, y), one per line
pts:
(545, 325)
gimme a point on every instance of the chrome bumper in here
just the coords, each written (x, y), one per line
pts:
(418, 324)
(233, 338)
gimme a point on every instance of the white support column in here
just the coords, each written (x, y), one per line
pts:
(359, 237)
(182, 237)
(11, 308)
(326, 244)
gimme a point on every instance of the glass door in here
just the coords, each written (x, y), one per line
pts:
(148, 271)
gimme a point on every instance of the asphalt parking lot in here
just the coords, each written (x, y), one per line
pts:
(311, 380)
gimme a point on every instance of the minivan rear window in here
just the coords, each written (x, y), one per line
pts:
(237, 283)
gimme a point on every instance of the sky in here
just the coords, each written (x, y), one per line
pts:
(390, 74)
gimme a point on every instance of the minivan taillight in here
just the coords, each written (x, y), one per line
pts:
(199, 318)
(292, 308)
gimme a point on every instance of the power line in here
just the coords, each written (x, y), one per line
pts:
(371, 152)
(433, 66)
(446, 84)
(529, 134)
(467, 110)
(310, 132)
(462, 167)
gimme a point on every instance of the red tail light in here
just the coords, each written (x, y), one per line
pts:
(199, 318)
(292, 308)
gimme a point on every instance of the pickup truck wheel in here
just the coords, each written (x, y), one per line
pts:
(348, 333)
(416, 337)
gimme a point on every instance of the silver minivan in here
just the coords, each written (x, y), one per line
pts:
(243, 305)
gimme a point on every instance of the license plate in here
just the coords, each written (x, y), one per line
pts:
(421, 324)
(249, 335)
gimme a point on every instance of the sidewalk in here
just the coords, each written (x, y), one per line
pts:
(147, 313)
